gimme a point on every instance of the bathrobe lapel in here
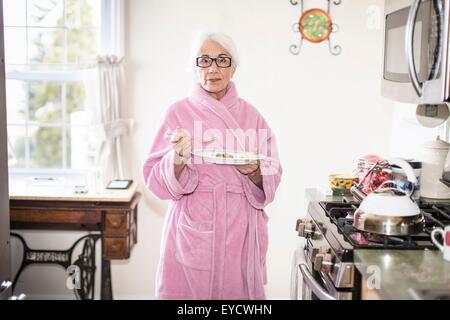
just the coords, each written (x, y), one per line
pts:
(221, 108)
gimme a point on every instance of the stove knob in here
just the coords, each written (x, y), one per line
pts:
(301, 229)
(318, 262)
(323, 262)
(314, 252)
(298, 224)
(310, 229)
(301, 222)
(327, 263)
(305, 228)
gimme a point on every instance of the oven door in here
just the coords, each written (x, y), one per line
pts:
(307, 284)
(317, 286)
(415, 51)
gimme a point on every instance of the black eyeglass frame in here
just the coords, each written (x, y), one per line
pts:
(214, 60)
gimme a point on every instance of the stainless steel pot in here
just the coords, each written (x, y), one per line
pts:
(389, 211)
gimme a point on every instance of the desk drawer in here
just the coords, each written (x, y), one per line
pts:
(116, 247)
(116, 223)
(50, 218)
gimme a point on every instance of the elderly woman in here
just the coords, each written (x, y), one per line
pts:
(215, 235)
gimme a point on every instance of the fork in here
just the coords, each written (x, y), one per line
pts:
(169, 134)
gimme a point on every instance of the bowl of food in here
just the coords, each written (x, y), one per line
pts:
(341, 183)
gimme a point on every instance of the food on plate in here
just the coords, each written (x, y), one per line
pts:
(224, 155)
(227, 156)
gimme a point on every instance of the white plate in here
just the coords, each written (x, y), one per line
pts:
(227, 156)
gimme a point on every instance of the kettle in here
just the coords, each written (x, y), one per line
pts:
(434, 163)
(390, 211)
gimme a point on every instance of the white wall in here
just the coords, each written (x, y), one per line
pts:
(326, 110)
(408, 136)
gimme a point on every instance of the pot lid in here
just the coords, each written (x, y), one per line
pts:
(387, 204)
(437, 144)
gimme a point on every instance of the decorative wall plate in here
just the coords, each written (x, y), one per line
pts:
(315, 25)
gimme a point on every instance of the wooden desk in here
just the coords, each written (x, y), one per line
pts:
(108, 215)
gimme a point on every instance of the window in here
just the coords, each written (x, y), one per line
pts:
(49, 45)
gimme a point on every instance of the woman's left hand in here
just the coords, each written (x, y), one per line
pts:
(248, 168)
(252, 171)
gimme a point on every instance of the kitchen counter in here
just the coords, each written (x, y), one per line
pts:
(403, 270)
(318, 194)
(324, 194)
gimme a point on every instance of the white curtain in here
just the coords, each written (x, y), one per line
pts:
(114, 127)
(110, 75)
(12, 159)
(113, 27)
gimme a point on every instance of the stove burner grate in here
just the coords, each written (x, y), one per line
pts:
(341, 214)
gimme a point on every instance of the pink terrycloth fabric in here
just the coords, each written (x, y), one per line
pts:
(215, 235)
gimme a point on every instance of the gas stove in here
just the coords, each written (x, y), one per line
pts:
(328, 271)
(341, 215)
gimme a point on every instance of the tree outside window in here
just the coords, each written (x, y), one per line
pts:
(46, 98)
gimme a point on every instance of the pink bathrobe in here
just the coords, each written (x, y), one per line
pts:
(215, 235)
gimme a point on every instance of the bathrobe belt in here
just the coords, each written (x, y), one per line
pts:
(220, 237)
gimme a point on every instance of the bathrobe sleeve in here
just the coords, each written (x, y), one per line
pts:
(271, 172)
(158, 168)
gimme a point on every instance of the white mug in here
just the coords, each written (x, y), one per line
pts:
(445, 248)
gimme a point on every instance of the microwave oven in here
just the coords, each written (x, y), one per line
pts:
(416, 51)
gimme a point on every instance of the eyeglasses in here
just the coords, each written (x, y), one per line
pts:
(206, 62)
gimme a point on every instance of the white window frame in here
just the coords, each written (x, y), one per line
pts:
(111, 42)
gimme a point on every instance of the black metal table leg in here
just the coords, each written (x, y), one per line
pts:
(106, 292)
(82, 269)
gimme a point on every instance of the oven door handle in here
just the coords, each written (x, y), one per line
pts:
(409, 45)
(315, 287)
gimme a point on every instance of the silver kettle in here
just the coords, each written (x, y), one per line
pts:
(390, 211)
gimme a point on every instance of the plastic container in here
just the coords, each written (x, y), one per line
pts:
(434, 154)
(373, 170)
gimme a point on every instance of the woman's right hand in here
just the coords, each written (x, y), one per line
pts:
(181, 144)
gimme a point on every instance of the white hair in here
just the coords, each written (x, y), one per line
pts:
(225, 41)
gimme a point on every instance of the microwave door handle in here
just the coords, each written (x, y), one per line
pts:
(409, 45)
(315, 287)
